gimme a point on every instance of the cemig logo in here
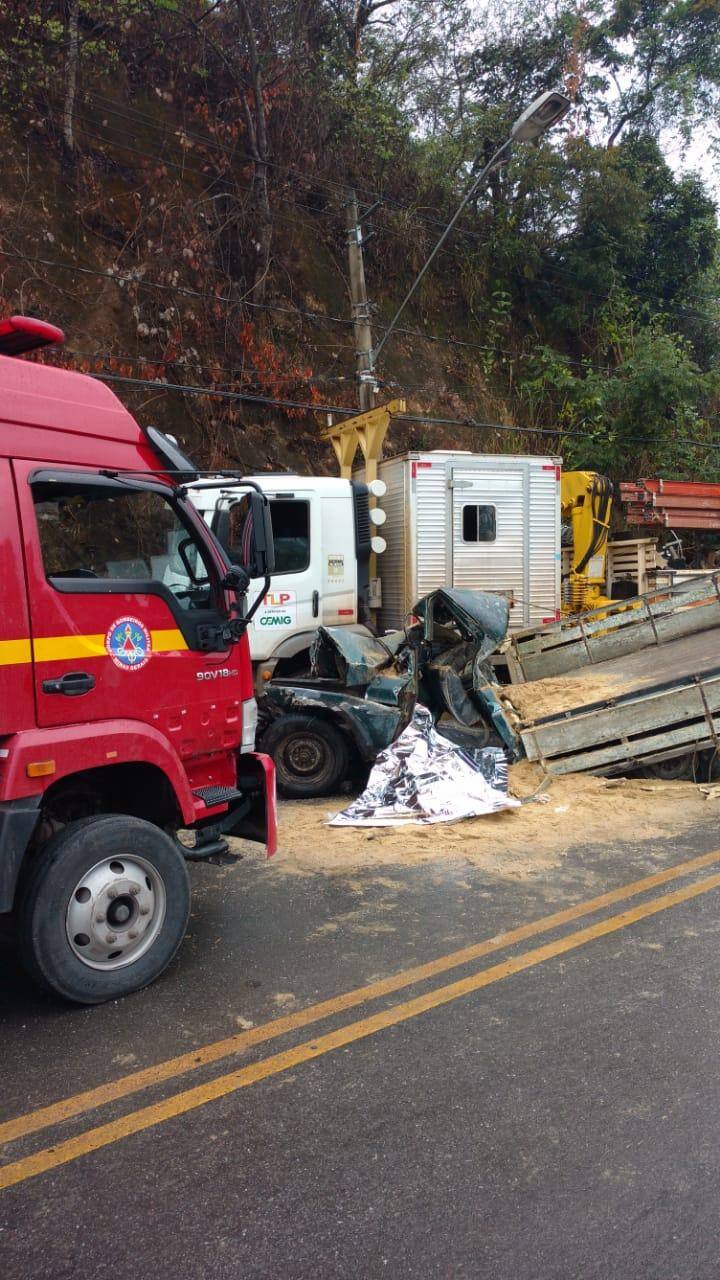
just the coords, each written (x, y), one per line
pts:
(128, 643)
(279, 609)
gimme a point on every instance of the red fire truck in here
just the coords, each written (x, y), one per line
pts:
(126, 695)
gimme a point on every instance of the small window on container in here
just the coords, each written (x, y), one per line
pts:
(478, 523)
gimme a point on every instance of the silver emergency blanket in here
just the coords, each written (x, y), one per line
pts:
(423, 778)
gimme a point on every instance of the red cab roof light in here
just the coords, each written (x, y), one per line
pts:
(23, 333)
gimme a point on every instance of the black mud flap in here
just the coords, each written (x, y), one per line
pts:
(256, 781)
(18, 819)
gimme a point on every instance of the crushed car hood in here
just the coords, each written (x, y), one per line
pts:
(373, 683)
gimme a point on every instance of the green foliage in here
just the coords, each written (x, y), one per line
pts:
(582, 285)
(627, 414)
(662, 55)
(34, 36)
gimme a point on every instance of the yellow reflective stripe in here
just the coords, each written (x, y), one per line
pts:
(13, 652)
(54, 648)
(166, 641)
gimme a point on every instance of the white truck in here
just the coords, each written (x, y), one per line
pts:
(448, 519)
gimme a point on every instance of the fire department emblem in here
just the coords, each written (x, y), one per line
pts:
(128, 643)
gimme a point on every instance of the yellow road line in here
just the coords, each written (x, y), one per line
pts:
(181, 1103)
(123, 1086)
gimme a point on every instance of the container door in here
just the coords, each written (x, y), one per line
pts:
(490, 534)
(123, 592)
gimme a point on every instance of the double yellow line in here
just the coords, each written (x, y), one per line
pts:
(188, 1100)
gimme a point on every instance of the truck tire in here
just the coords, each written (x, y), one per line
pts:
(311, 756)
(676, 769)
(103, 909)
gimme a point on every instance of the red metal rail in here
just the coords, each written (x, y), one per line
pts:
(677, 504)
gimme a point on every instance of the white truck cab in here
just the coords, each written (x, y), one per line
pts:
(322, 535)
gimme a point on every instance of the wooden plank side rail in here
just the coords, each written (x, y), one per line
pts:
(651, 725)
(658, 617)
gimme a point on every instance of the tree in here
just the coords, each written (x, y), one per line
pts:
(71, 71)
(661, 57)
(354, 18)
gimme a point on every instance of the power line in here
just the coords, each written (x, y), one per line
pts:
(605, 297)
(290, 311)
(217, 393)
(420, 419)
(349, 378)
(538, 281)
(181, 290)
(295, 312)
(126, 357)
(340, 187)
(185, 169)
(374, 197)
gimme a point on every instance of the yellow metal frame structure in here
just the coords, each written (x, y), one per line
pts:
(366, 432)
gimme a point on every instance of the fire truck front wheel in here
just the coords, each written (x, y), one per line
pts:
(103, 909)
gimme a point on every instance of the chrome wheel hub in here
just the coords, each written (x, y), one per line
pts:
(115, 912)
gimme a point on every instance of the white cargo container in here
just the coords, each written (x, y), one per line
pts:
(488, 522)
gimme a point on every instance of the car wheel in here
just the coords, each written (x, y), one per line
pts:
(311, 756)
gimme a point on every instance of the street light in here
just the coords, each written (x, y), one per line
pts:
(541, 115)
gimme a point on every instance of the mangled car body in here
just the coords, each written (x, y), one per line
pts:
(361, 690)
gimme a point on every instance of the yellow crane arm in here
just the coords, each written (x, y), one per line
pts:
(586, 504)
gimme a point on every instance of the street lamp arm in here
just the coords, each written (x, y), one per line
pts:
(501, 151)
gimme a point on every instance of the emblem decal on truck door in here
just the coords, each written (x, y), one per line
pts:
(128, 643)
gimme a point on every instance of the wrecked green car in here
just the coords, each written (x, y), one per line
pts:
(362, 689)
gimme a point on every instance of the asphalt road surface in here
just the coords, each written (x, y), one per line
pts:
(411, 1072)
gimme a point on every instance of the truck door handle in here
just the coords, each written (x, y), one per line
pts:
(316, 604)
(72, 685)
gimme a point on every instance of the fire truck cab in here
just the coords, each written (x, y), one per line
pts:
(126, 693)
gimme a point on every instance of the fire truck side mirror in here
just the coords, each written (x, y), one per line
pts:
(261, 547)
(244, 530)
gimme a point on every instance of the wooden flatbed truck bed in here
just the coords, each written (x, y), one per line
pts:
(619, 688)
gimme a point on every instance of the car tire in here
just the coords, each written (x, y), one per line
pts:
(310, 754)
(103, 908)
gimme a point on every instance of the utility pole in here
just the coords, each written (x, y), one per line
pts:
(360, 308)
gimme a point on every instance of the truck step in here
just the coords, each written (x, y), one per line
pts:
(217, 795)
